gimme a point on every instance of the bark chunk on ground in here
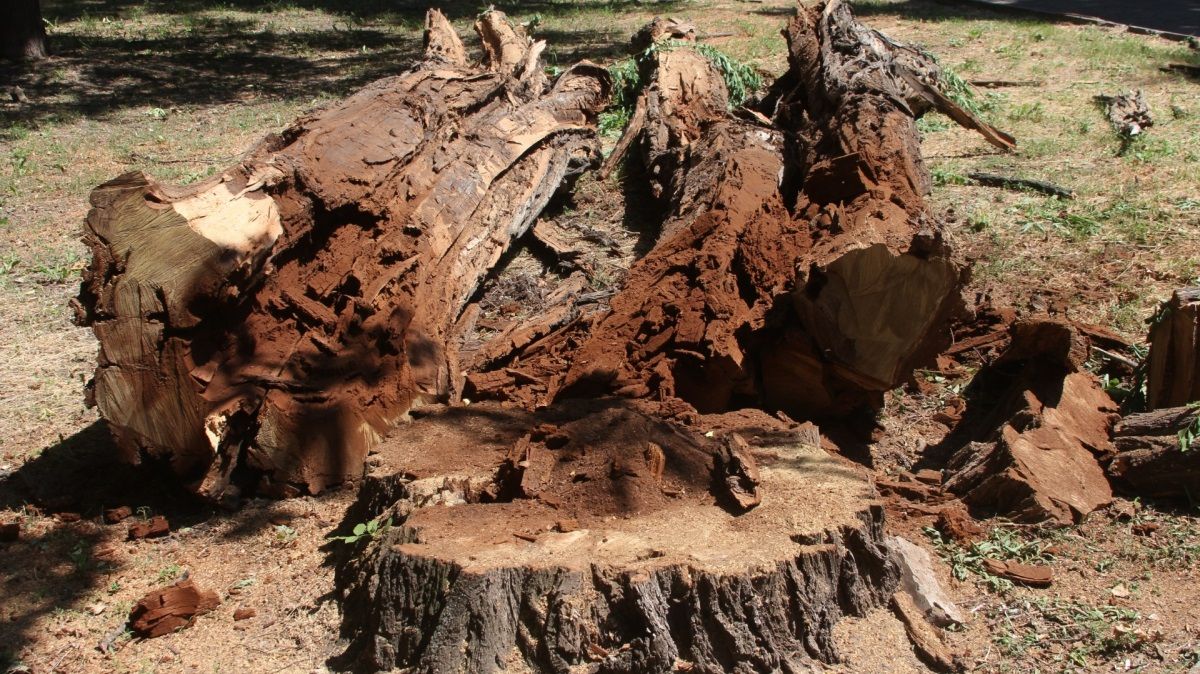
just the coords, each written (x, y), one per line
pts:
(1028, 446)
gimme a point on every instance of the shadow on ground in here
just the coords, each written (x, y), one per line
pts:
(59, 559)
(112, 55)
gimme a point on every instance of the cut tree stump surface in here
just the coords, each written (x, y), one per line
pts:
(650, 569)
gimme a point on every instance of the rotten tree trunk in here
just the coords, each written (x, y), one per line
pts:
(810, 284)
(279, 319)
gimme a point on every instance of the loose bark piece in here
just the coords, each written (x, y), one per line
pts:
(1157, 454)
(1035, 423)
(279, 319)
(167, 609)
(1025, 574)
(1173, 375)
(155, 527)
(636, 580)
(925, 640)
(1128, 112)
(919, 581)
(119, 514)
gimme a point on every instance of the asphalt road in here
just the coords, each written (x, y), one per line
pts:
(1175, 16)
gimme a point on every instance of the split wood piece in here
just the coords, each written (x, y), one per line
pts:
(736, 471)
(815, 309)
(1158, 454)
(1128, 112)
(923, 84)
(1011, 183)
(1035, 424)
(279, 319)
(167, 609)
(926, 641)
(1025, 574)
(918, 580)
(1173, 374)
(637, 581)
(963, 117)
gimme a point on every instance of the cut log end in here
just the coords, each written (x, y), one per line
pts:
(613, 554)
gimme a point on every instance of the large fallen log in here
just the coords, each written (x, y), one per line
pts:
(280, 318)
(810, 284)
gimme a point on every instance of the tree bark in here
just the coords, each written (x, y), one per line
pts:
(282, 317)
(22, 31)
(1158, 454)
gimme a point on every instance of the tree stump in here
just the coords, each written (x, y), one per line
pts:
(601, 545)
(1173, 374)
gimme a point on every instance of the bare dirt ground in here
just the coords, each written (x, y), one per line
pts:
(180, 89)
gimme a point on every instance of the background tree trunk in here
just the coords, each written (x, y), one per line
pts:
(22, 32)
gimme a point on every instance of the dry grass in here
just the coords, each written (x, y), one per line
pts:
(180, 89)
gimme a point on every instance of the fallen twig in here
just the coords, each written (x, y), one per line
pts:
(1007, 182)
(1115, 356)
(996, 84)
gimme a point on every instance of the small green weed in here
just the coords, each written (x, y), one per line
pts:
(365, 530)
(1001, 544)
(169, 573)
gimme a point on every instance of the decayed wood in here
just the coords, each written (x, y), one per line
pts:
(1035, 424)
(1128, 112)
(1173, 374)
(1158, 453)
(280, 318)
(811, 284)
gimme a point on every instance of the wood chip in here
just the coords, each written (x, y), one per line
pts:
(154, 527)
(1025, 574)
(167, 609)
